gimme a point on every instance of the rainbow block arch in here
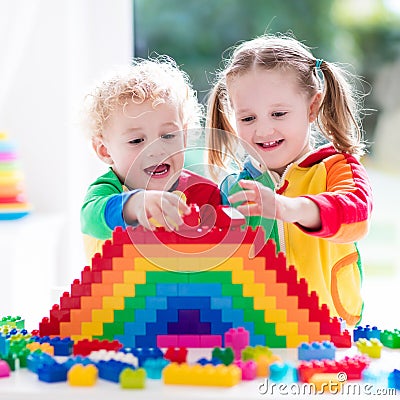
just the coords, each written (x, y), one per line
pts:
(165, 289)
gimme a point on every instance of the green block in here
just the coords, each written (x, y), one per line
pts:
(244, 303)
(135, 302)
(148, 289)
(110, 329)
(128, 314)
(255, 316)
(223, 277)
(276, 341)
(233, 290)
(166, 277)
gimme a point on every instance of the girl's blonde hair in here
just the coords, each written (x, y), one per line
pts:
(337, 117)
(158, 80)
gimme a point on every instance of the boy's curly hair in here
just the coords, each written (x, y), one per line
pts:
(159, 80)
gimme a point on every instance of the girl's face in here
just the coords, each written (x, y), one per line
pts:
(144, 145)
(273, 115)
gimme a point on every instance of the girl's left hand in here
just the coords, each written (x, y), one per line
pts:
(256, 199)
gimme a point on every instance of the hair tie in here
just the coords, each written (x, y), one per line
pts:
(318, 63)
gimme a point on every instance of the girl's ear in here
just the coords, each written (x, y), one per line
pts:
(101, 150)
(314, 107)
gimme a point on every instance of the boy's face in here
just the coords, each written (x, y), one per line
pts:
(144, 145)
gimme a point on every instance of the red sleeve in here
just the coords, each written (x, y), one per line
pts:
(346, 205)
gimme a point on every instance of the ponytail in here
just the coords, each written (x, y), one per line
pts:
(221, 137)
(337, 117)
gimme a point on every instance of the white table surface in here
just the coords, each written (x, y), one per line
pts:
(23, 384)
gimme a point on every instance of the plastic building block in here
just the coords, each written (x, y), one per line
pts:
(15, 322)
(80, 375)
(326, 383)
(104, 355)
(212, 361)
(366, 332)
(85, 347)
(248, 368)
(225, 355)
(4, 369)
(237, 339)
(316, 351)
(394, 379)
(132, 292)
(371, 347)
(133, 379)
(52, 373)
(143, 354)
(197, 375)
(253, 353)
(176, 355)
(352, 366)
(391, 338)
(282, 372)
(154, 367)
(111, 370)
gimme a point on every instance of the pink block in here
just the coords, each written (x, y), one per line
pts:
(4, 369)
(188, 341)
(248, 368)
(238, 339)
(167, 340)
(210, 341)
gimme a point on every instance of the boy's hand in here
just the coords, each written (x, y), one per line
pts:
(153, 208)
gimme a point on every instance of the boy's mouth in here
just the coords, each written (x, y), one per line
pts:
(158, 170)
(271, 144)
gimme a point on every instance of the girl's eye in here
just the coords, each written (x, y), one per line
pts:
(247, 119)
(136, 141)
(279, 114)
(168, 136)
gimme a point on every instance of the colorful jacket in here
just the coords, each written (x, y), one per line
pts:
(328, 258)
(102, 209)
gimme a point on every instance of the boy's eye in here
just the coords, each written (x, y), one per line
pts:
(279, 114)
(247, 119)
(168, 136)
(136, 141)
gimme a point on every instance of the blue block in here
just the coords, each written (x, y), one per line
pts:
(316, 351)
(256, 340)
(213, 316)
(168, 315)
(199, 289)
(157, 327)
(167, 289)
(234, 315)
(126, 340)
(191, 303)
(110, 370)
(221, 303)
(157, 303)
(135, 328)
(52, 373)
(143, 315)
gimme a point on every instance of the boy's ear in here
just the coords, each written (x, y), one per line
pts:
(314, 107)
(101, 150)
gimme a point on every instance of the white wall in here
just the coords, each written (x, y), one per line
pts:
(50, 52)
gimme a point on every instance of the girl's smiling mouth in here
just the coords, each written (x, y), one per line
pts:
(271, 144)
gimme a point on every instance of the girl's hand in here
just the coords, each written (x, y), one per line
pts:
(154, 208)
(256, 199)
